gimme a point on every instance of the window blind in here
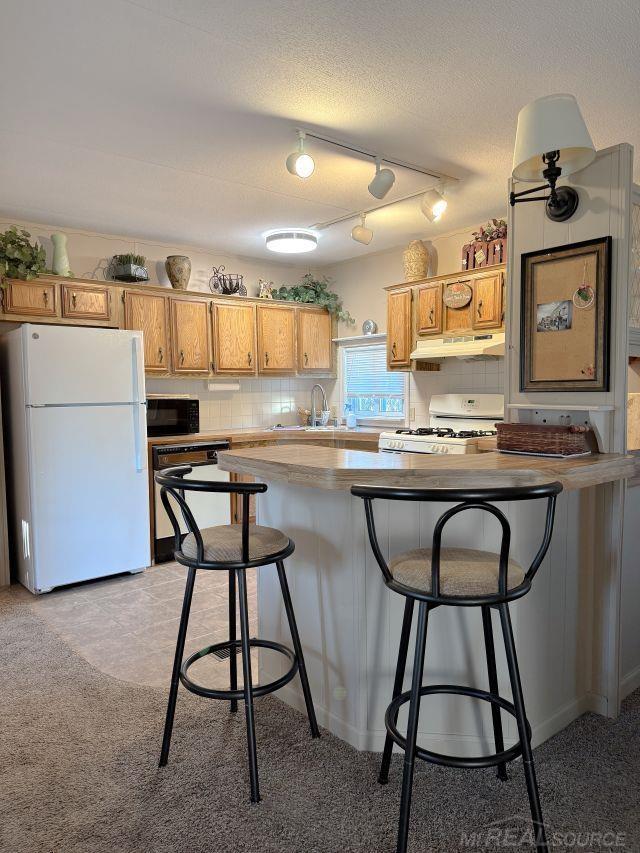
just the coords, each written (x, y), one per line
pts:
(369, 388)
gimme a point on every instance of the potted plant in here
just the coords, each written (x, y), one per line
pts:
(18, 257)
(129, 267)
(316, 291)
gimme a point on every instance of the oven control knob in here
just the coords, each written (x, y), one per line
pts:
(399, 443)
(445, 449)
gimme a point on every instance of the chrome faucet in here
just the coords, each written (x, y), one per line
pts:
(325, 405)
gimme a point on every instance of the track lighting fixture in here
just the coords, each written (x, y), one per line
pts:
(433, 205)
(360, 233)
(382, 181)
(299, 162)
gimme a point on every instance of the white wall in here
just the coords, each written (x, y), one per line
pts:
(90, 252)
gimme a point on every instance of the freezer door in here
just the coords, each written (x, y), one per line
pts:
(68, 365)
(90, 501)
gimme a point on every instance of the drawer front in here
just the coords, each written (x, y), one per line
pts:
(31, 298)
(85, 302)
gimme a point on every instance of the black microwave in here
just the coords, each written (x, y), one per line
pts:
(172, 416)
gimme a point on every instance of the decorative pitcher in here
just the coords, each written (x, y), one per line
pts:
(178, 269)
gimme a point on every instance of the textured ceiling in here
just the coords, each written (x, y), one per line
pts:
(171, 119)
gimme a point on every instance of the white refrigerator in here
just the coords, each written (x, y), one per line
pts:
(78, 481)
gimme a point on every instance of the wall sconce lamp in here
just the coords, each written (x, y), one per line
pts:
(551, 140)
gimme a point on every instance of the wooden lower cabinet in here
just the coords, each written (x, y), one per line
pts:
(234, 333)
(191, 335)
(86, 302)
(236, 500)
(31, 298)
(276, 339)
(149, 314)
(315, 347)
(399, 337)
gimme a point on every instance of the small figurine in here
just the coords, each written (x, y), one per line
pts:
(265, 289)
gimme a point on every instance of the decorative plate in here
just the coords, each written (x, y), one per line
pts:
(369, 327)
(457, 295)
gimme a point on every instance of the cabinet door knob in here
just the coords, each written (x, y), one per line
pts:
(249, 358)
(393, 349)
(160, 354)
(74, 299)
(45, 297)
(306, 359)
(480, 308)
(181, 356)
(266, 359)
(431, 315)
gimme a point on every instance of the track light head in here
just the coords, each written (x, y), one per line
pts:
(433, 205)
(360, 233)
(382, 181)
(300, 163)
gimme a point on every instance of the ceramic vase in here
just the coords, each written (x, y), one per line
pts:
(178, 269)
(60, 263)
(416, 261)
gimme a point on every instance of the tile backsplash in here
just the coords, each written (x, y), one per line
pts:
(266, 402)
(258, 402)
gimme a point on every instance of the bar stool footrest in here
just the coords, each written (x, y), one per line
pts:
(257, 690)
(474, 762)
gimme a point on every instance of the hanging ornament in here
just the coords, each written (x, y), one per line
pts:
(584, 296)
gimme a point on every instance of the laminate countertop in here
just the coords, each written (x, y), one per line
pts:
(238, 437)
(340, 468)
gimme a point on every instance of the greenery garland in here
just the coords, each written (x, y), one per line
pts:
(315, 291)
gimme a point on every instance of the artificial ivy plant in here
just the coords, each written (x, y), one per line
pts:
(18, 257)
(316, 291)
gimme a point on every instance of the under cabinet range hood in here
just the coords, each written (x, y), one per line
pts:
(467, 347)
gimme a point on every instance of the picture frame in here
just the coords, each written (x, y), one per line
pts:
(565, 317)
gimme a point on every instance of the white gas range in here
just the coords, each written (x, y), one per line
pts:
(456, 422)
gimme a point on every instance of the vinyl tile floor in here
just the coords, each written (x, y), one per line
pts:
(126, 626)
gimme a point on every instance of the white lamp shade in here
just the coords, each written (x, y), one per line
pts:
(552, 123)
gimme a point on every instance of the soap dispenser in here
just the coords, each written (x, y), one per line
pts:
(350, 417)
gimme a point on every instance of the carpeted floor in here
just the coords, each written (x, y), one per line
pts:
(78, 774)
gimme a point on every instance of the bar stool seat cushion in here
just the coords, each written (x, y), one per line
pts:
(463, 571)
(223, 544)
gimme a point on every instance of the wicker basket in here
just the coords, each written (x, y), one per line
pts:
(546, 440)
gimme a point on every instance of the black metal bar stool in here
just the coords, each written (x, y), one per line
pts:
(233, 548)
(459, 577)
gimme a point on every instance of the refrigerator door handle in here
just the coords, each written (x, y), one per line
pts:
(138, 370)
(139, 433)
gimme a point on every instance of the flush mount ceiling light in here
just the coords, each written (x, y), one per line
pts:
(551, 140)
(360, 233)
(382, 181)
(291, 241)
(433, 205)
(299, 162)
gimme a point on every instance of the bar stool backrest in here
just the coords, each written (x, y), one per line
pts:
(480, 499)
(174, 486)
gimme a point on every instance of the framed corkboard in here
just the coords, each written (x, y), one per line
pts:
(564, 328)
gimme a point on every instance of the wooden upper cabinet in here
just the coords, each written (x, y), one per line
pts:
(86, 302)
(149, 314)
(487, 302)
(315, 347)
(430, 309)
(234, 334)
(31, 298)
(190, 335)
(399, 328)
(276, 339)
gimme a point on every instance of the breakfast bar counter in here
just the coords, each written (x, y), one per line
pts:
(567, 628)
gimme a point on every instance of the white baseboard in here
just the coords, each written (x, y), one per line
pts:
(630, 682)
